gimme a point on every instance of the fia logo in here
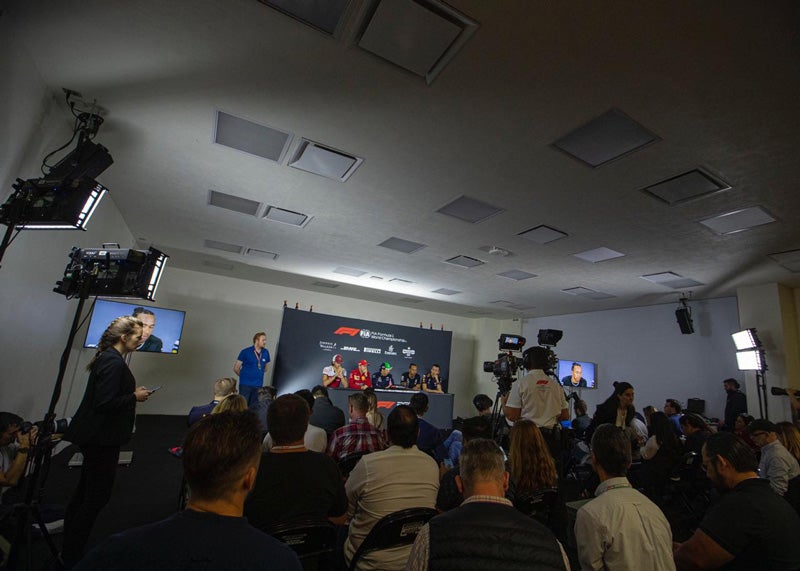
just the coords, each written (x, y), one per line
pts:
(365, 333)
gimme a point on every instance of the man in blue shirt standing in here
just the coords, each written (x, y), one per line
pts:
(251, 364)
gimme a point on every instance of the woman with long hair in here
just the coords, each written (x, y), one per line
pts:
(531, 466)
(103, 423)
(740, 424)
(373, 416)
(696, 431)
(231, 403)
(617, 409)
(789, 437)
(660, 455)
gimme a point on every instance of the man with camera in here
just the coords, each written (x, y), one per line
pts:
(14, 449)
(536, 396)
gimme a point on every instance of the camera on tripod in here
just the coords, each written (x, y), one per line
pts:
(505, 367)
(57, 426)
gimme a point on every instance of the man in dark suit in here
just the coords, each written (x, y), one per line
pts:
(222, 388)
(150, 342)
(324, 414)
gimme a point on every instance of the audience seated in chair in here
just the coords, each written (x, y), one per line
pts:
(789, 436)
(458, 539)
(359, 435)
(620, 528)
(660, 456)
(696, 430)
(431, 439)
(220, 459)
(449, 495)
(314, 438)
(750, 527)
(374, 417)
(222, 388)
(294, 482)
(266, 395)
(231, 403)
(777, 464)
(324, 414)
(388, 481)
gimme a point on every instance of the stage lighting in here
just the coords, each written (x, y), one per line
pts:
(113, 272)
(39, 204)
(750, 360)
(746, 339)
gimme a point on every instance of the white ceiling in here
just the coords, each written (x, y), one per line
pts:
(718, 82)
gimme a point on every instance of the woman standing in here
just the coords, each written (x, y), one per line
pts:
(531, 466)
(616, 409)
(103, 423)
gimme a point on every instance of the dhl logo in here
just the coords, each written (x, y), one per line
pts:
(352, 332)
(388, 404)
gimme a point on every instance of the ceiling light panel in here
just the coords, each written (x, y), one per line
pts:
(469, 209)
(608, 137)
(738, 220)
(400, 245)
(261, 254)
(686, 187)
(599, 255)
(324, 161)
(224, 246)
(284, 216)
(464, 262)
(671, 279)
(789, 260)
(254, 138)
(345, 271)
(587, 293)
(446, 291)
(231, 202)
(517, 275)
(542, 234)
(323, 15)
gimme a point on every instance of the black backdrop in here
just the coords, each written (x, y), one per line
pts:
(308, 341)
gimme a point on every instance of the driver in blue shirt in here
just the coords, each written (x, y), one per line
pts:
(383, 379)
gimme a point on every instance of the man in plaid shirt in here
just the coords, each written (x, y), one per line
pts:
(358, 436)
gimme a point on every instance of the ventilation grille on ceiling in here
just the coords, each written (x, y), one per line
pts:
(686, 187)
(324, 161)
(469, 209)
(324, 15)
(421, 36)
(261, 254)
(224, 246)
(789, 260)
(608, 137)
(598, 255)
(671, 279)
(286, 216)
(542, 234)
(400, 245)
(517, 275)
(446, 291)
(738, 220)
(250, 137)
(231, 202)
(464, 262)
(587, 293)
(345, 271)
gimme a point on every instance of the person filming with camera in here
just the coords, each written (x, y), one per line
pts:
(15, 446)
(536, 396)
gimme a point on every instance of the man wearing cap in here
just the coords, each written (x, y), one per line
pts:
(383, 379)
(777, 464)
(359, 377)
(334, 375)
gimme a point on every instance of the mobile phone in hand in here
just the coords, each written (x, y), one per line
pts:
(154, 390)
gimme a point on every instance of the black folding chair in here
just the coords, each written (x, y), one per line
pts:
(347, 463)
(394, 530)
(540, 505)
(313, 539)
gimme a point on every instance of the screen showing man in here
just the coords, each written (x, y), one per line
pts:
(577, 374)
(150, 342)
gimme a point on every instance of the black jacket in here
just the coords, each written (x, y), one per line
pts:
(326, 416)
(106, 413)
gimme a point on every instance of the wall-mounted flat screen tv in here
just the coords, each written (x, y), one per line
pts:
(162, 327)
(577, 374)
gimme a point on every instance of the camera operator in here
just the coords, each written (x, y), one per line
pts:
(536, 396)
(14, 448)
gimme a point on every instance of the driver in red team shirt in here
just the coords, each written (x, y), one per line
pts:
(360, 377)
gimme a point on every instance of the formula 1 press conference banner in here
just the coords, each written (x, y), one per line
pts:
(308, 341)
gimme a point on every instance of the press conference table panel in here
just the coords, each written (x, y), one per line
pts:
(440, 407)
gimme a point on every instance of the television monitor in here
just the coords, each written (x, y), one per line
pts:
(166, 334)
(588, 373)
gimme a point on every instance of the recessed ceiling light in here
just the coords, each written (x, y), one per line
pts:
(587, 293)
(324, 161)
(224, 246)
(286, 216)
(231, 202)
(345, 271)
(738, 220)
(610, 136)
(517, 275)
(789, 259)
(445, 291)
(464, 262)
(671, 279)
(253, 138)
(542, 234)
(598, 255)
(686, 187)
(400, 245)
(469, 209)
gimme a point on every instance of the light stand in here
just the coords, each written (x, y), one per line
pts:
(750, 357)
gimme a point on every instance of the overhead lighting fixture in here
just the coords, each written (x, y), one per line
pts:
(255, 252)
(345, 271)
(40, 204)
(671, 279)
(284, 216)
(686, 187)
(400, 245)
(250, 137)
(464, 262)
(446, 291)
(587, 293)
(750, 360)
(234, 203)
(745, 339)
(223, 246)
(469, 210)
(598, 255)
(324, 161)
(516, 275)
(738, 220)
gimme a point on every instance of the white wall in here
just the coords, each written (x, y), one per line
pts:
(222, 314)
(645, 347)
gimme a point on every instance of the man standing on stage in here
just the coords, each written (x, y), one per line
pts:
(359, 378)
(432, 383)
(410, 379)
(383, 379)
(250, 365)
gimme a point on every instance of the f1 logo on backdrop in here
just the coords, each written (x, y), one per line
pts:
(351, 331)
(387, 404)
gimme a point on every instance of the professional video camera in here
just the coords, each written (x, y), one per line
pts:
(505, 367)
(57, 426)
(547, 339)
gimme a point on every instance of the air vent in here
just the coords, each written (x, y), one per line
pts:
(261, 254)
(610, 136)
(789, 260)
(323, 15)
(421, 36)
(218, 265)
(587, 293)
(224, 246)
(254, 138)
(738, 220)
(345, 271)
(598, 255)
(686, 187)
(231, 202)
(516, 275)
(671, 279)
(469, 209)
(329, 285)
(283, 216)
(324, 161)
(445, 291)
(542, 234)
(400, 245)
(464, 262)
